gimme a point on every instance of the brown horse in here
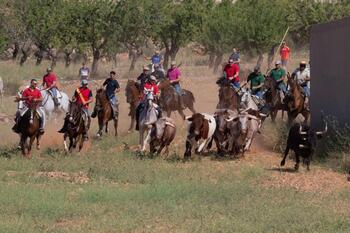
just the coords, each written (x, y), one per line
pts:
(296, 105)
(132, 94)
(273, 98)
(104, 112)
(228, 98)
(74, 122)
(169, 101)
(28, 126)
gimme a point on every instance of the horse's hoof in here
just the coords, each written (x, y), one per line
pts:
(38, 147)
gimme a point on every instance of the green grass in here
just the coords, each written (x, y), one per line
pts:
(127, 193)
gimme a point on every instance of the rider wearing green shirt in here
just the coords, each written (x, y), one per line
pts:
(256, 80)
(279, 75)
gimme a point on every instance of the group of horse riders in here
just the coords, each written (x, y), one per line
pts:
(278, 74)
(147, 82)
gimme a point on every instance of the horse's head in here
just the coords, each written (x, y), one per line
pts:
(74, 110)
(150, 98)
(164, 83)
(101, 96)
(131, 92)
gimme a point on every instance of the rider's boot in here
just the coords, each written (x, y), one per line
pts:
(137, 116)
(94, 113)
(15, 128)
(41, 129)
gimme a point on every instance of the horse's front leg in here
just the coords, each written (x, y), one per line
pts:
(106, 127)
(38, 137)
(147, 139)
(100, 127)
(24, 146)
(141, 130)
(31, 141)
(116, 127)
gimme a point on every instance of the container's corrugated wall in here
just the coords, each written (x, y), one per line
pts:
(330, 71)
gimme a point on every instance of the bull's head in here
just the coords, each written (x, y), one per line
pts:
(196, 124)
(310, 136)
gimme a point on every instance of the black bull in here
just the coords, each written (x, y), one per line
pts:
(302, 140)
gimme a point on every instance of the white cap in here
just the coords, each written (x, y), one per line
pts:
(278, 63)
(153, 78)
(84, 82)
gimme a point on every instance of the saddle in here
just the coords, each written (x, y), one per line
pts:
(25, 109)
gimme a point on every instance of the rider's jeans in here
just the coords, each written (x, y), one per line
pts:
(259, 94)
(282, 86)
(306, 91)
(235, 84)
(178, 88)
(53, 91)
(43, 117)
(113, 100)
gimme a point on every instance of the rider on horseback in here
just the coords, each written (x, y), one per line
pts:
(279, 75)
(156, 59)
(31, 96)
(256, 80)
(150, 86)
(142, 79)
(231, 72)
(83, 96)
(112, 86)
(49, 84)
(174, 76)
(302, 76)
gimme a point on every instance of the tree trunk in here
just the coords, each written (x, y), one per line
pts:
(166, 58)
(271, 57)
(25, 55)
(96, 58)
(39, 54)
(260, 59)
(67, 58)
(15, 51)
(217, 62)
(211, 60)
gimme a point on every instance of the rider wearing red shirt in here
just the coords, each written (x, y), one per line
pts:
(50, 84)
(231, 72)
(150, 85)
(84, 96)
(32, 98)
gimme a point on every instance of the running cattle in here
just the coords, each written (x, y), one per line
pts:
(302, 140)
(162, 135)
(200, 127)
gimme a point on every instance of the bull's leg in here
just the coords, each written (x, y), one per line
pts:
(297, 161)
(65, 143)
(168, 112)
(283, 162)
(181, 113)
(116, 127)
(188, 150)
(167, 151)
(152, 146)
(162, 145)
(307, 161)
(203, 145)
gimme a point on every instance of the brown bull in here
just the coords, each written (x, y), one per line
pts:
(162, 135)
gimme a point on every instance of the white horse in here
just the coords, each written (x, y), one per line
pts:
(148, 117)
(247, 100)
(49, 105)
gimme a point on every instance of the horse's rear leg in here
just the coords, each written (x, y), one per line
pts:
(106, 125)
(81, 143)
(31, 141)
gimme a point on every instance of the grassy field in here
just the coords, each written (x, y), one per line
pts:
(111, 188)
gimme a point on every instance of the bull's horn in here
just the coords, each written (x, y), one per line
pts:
(301, 131)
(253, 117)
(302, 146)
(262, 115)
(231, 118)
(188, 118)
(324, 131)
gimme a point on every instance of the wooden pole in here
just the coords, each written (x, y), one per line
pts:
(278, 49)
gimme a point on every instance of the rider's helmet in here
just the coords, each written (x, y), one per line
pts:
(152, 78)
(84, 82)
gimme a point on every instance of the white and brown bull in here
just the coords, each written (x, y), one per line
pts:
(201, 128)
(162, 135)
(249, 123)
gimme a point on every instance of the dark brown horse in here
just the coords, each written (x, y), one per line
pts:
(273, 98)
(104, 112)
(132, 94)
(228, 98)
(296, 105)
(169, 101)
(29, 125)
(74, 122)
